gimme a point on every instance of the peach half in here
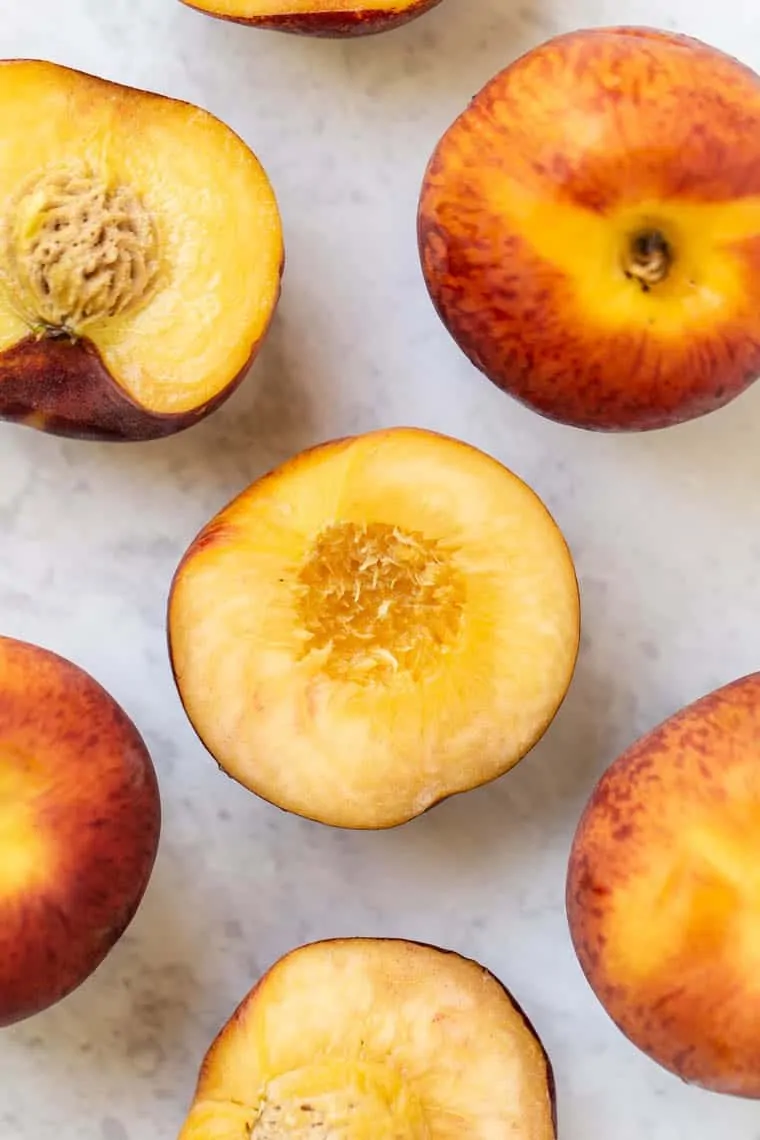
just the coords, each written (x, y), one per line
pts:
(381, 622)
(589, 229)
(140, 256)
(375, 1039)
(326, 18)
(663, 891)
(80, 819)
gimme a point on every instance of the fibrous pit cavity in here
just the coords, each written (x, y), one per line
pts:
(339, 1101)
(377, 600)
(79, 250)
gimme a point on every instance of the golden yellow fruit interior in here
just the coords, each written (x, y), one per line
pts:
(376, 599)
(362, 1039)
(382, 622)
(251, 9)
(138, 222)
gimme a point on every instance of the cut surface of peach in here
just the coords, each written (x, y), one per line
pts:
(137, 223)
(381, 622)
(373, 1039)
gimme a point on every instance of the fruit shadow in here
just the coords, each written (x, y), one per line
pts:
(712, 462)
(536, 805)
(395, 74)
(270, 416)
(510, 838)
(132, 1017)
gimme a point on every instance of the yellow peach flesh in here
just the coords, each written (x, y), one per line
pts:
(212, 243)
(361, 1038)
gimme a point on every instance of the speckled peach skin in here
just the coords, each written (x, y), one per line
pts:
(529, 203)
(663, 891)
(328, 25)
(80, 819)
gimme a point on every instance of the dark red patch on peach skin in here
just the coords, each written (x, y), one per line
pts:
(104, 830)
(64, 388)
(218, 531)
(331, 25)
(511, 312)
(678, 1026)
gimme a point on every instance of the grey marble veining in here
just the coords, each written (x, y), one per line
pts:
(91, 535)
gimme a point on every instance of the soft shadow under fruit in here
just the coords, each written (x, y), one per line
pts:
(326, 18)
(663, 891)
(80, 818)
(589, 229)
(382, 622)
(140, 256)
(375, 1039)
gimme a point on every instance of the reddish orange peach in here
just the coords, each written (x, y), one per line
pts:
(589, 229)
(663, 891)
(80, 818)
(330, 19)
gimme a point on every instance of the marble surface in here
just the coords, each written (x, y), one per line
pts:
(91, 534)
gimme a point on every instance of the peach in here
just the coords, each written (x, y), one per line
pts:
(589, 229)
(375, 1039)
(663, 891)
(382, 622)
(80, 819)
(326, 18)
(140, 256)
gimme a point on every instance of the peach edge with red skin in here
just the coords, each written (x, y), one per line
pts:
(217, 526)
(329, 25)
(70, 943)
(585, 893)
(237, 1015)
(63, 387)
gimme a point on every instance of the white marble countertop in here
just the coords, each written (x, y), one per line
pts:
(92, 533)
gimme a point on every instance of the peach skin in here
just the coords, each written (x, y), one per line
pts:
(80, 819)
(330, 19)
(663, 891)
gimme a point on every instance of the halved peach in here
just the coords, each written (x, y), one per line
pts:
(663, 891)
(375, 1039)
(80, 818)
(381, 622)
(140, 256)
(327, 18)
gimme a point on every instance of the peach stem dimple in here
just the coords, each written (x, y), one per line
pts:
(649, 258)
